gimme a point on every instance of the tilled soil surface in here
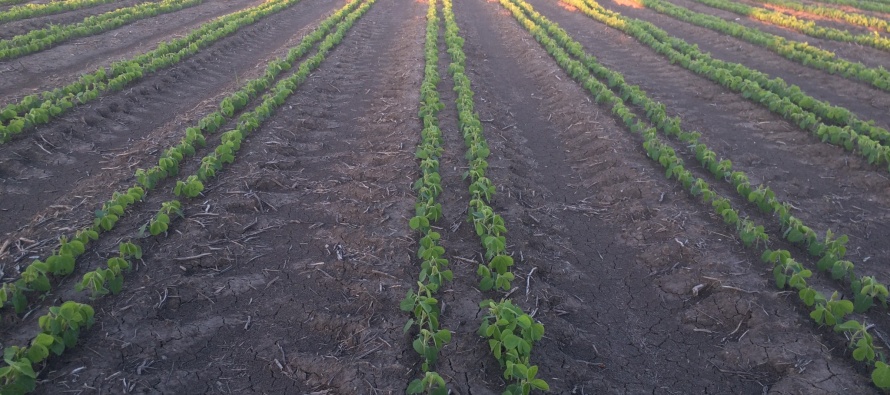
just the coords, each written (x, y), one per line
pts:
(771, 150)
(286, 275)
(106, 137)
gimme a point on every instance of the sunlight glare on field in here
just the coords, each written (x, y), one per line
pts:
(568, 7)
(629, 3)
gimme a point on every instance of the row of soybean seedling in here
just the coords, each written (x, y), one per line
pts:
(62, 262)
(421, 303)
(109, 279)
(34, 10)
(806, 27)
(511, 333)
(40, 39)
(788, 273)
(832, 124)
(830, 250)
(62, 325)
(38, 109)
(801, 52)
(35, 276)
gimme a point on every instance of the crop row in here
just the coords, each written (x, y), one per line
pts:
(787, 272)
(830, 250)
(101, 281)
(801, 52)
(35, 277)
(195, 136)
(61, 326)
(806, 27)
(422, 304)
(833, 13)
(875, 5)
(38, 109)
(832, 124)
(231, 141)
(511, 333)
(35, 10)
(37, 40)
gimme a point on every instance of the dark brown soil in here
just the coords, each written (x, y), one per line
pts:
(640, 287)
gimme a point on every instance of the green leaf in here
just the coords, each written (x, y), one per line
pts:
(864, 350)
(881, 375)
(443, 335)
(512, 341)
(501, 263)
(795, 236)
(418, 345)
(115, 283)
(24, 367)
(539, 384)
(416, 387)
(58, 346)
(408, 302)
(37, 353)
(107, 222)
(817, 315)
(419, 222)
(486, 283)
(537, 331)
(431, 354)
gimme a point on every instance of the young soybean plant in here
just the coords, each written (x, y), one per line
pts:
(161, 222)
(430, 338)
(59, 330)
(431, 384)
(511, 334)
(111, 280)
